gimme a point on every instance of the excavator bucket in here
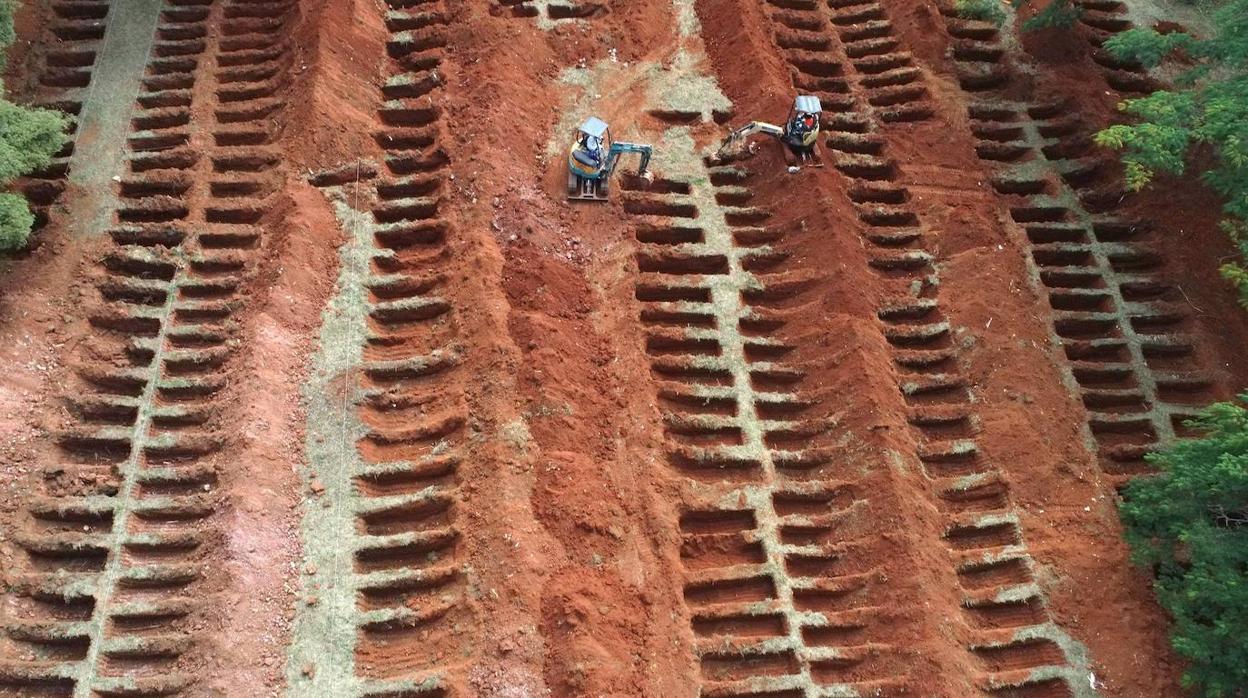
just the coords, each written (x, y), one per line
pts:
(737, 145)
(732, 149)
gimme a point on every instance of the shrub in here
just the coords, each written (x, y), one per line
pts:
(984, 10)
(7, 36)
(1190, 524)
(29, 138)
(15, 221)
(1235, 272)
(1058, 13)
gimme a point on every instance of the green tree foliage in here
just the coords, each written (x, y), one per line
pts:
(16, 221)
(29, 138)
(1190, 524)
(984, 10)
(1058, 13)
(1234, 271)
(1209, 107)
(7, 36)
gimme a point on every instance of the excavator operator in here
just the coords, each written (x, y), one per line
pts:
(801, 125)
(589, 150)
(801, 132)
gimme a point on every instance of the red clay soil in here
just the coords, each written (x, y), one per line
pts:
(28, 21)
(256, 537)
(1183, 210)
(1031, 424)
(336, 78)
(261, 549)
(847, 356)
(573, 510)
(607, 612)
(1099, 587)
(39, 290)
(605, 598)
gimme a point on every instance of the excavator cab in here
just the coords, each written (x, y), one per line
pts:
(801, 131)
(589, 152)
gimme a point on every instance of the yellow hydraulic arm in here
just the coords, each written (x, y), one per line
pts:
(739, 139)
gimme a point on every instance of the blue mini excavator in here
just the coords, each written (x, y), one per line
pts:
(593, 159)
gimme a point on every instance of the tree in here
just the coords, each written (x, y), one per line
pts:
(1209, 106)
(1058, 13)
(983, 10)
(29, 138)
(1190, 523)
(7, 35)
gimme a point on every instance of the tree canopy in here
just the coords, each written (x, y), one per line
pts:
(1207, 107)
(1190, 524)
(29, 138)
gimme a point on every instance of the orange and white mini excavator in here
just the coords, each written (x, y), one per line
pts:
(800, 136)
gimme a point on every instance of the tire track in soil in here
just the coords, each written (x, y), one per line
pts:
(110, 598)
(385, 596)
(1009, 630)
(1124, 329)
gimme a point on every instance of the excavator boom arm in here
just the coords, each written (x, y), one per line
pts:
(620, 147)
(736, 140)
(756, 127)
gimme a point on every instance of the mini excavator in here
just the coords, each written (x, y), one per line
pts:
(593, 158)
(800, 136)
